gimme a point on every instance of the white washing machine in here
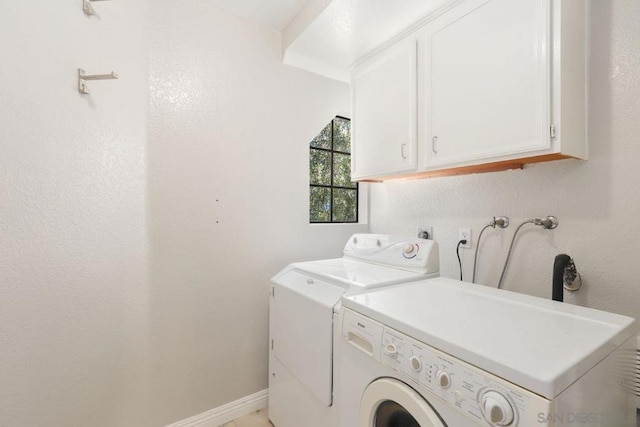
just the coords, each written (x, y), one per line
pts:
(442, 352)
(303, 326)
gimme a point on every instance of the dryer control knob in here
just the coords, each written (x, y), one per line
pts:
(408, 248)
(444, 379)
(416, 363)
(496, 409)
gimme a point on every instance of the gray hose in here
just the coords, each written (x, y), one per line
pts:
(513, 239)
(475, 256)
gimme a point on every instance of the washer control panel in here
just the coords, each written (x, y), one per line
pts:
(478, 394)
(419, 255)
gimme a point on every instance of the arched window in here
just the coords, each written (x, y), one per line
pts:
(333, 197)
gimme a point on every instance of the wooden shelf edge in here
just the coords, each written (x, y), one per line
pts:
(481, 168)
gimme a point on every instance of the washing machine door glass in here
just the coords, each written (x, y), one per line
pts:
(388, 402)
(391, 414)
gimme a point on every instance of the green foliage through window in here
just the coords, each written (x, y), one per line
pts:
(333, 197)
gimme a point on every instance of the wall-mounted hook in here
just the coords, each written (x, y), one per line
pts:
(82, 79)
(87, 7)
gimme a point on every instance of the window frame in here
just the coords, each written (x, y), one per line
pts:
(332, 187)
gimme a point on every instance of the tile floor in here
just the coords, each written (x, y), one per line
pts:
(255, 419)
(260, 419)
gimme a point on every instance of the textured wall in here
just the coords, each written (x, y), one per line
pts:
(73, 255)
(227, 205)
(224, 192)
(597, 202)
(228, 198)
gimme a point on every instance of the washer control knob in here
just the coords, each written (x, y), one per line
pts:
(408, 249)
(444, 379)
(391, 350)
(416, 363)
(458, 396)
(496, 409)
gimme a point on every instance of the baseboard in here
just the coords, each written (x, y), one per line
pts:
(225, 413)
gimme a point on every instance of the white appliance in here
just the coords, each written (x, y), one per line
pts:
(304, 303)
(442, 352)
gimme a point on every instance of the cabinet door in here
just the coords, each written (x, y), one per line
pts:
(384, 113)
(487, 84)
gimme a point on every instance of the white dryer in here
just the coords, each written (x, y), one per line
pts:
(442, 352)
(303, 327)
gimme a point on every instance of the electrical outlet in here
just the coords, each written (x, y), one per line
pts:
(465, 234)
(425, 229)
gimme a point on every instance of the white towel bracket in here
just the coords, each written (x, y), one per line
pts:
(83, 77)
(87, 7)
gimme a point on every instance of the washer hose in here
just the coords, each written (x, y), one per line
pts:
(513, 239)
(475, 255)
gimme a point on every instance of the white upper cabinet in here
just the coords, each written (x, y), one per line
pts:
(487, 81)
(384, 114)
(500, 83)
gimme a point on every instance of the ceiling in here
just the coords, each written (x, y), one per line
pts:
(344, 31)
(275, 14)
(329, 36)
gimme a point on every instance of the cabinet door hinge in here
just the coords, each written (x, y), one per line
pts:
(271, 344)
(552, 131)
(273, 291)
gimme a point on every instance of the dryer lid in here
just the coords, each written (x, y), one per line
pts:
(354, 275)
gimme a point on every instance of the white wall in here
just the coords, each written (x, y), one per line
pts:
(74, 310)
(228, 198)
(597, 202)
(134, 268)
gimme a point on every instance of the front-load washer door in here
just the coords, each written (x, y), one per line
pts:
(388, 402)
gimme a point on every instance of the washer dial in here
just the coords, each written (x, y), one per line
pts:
(410, 250)
(444, 379)
(416, 363)
(391, 350)
(496, 409)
